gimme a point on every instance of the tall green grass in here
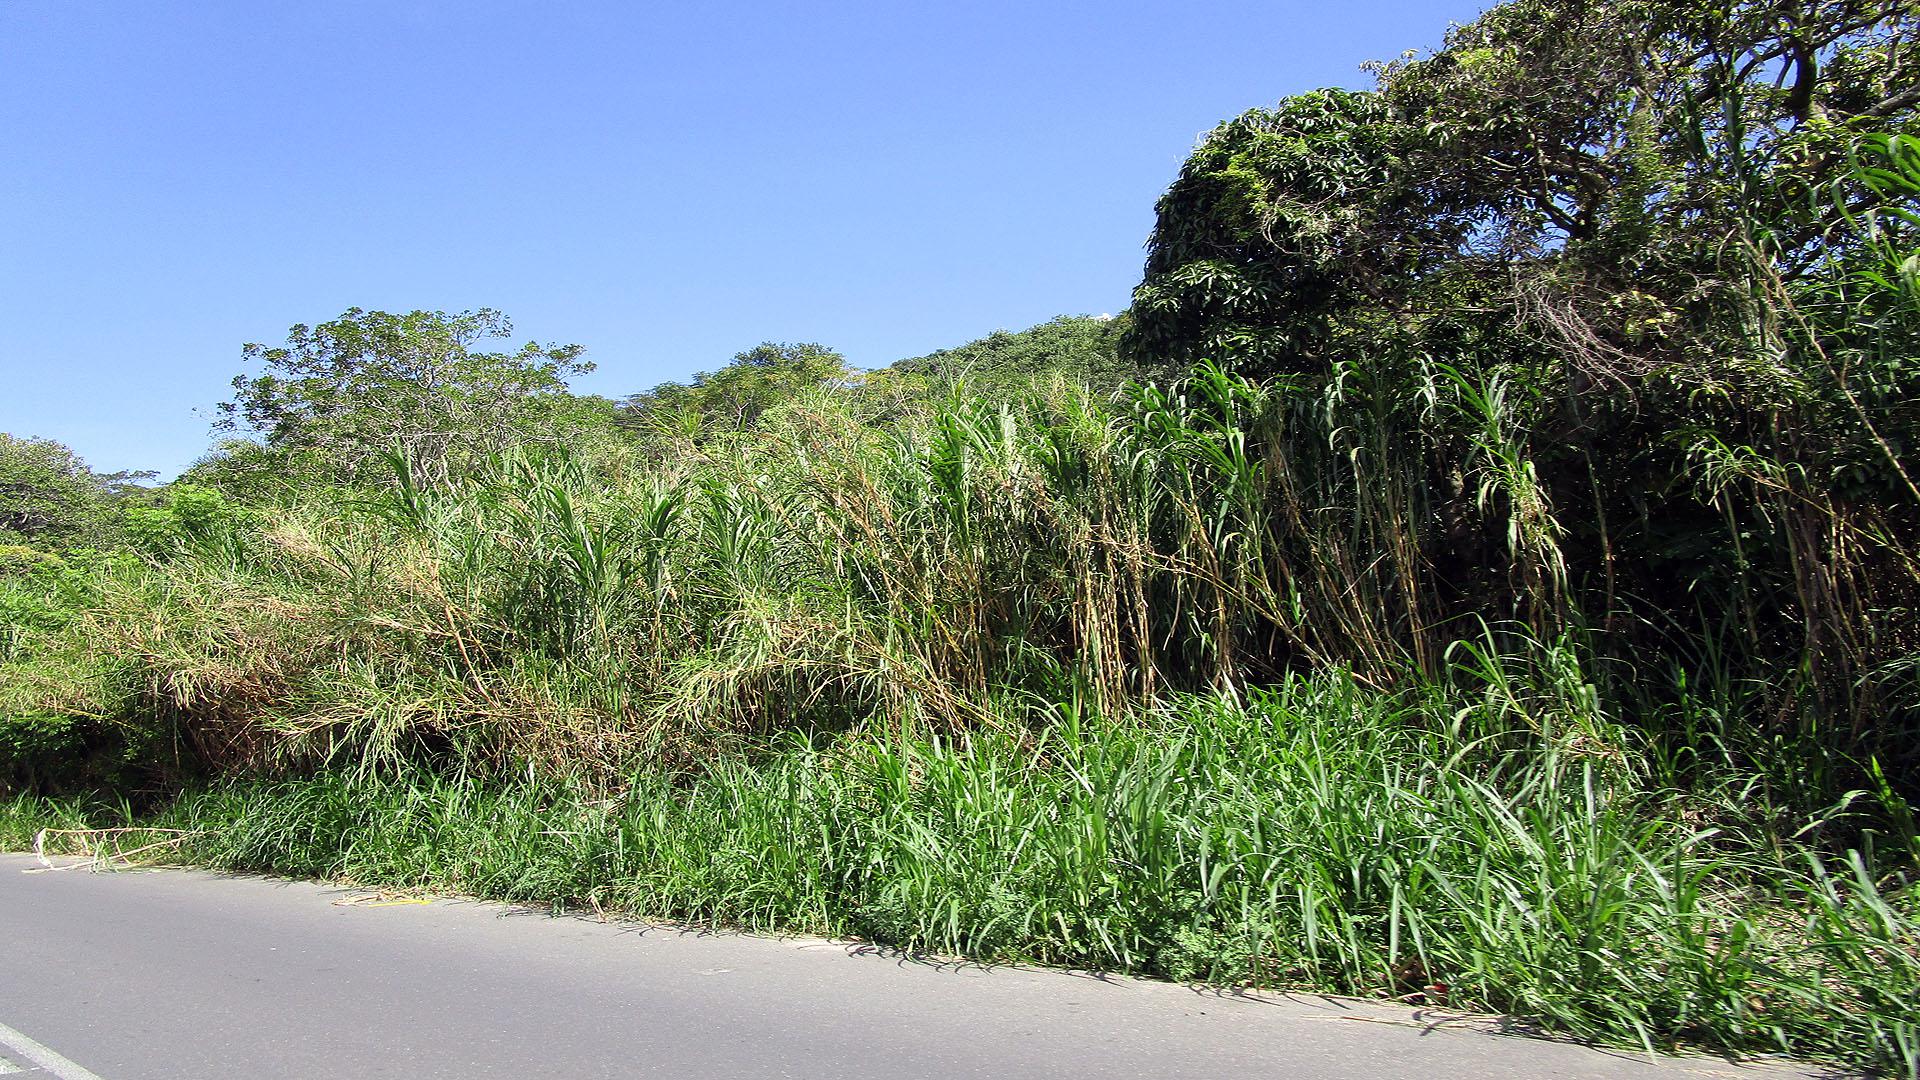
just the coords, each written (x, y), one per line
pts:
(830, 569)
(1429, 846)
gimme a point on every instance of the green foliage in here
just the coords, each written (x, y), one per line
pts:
(735, 398)
(54, 727)
(48, 496)
(1285, 226)
(182, 514)
(256, 474)
(58, 520)
(345, 392)
(1080, 347)
(743, 397)
(825, 572)
(1592, 318)
(1645, 134)
(1438, 846)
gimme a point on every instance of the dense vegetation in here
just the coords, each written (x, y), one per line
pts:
(1480, 567)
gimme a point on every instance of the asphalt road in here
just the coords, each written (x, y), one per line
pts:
(154, 975)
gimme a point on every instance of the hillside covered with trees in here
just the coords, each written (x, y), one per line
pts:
(1480, 568)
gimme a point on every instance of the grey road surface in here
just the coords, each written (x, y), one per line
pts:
(155, 975)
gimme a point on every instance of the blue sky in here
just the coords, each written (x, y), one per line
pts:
(665, 184)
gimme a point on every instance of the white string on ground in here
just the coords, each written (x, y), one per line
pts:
(44, 1056)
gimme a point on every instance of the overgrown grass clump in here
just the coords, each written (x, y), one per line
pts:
(1429, 847)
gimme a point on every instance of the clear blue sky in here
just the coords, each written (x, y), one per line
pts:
(665, 184)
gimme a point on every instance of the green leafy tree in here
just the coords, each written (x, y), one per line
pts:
(48, 496)
(1082, 347)
(1625, 177)
(1284, 225)
(1653, 164)
(734, 398)
(348, 392)
(1590, 298)
(248, 470)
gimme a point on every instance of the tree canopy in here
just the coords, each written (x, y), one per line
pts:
(350, 391)
(1613, 174)
(1593, 294)
(48, 495)
(1080, 346)
(735, 397)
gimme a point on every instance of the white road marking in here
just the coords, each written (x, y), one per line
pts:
(43, 1056)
